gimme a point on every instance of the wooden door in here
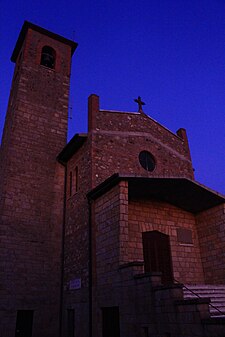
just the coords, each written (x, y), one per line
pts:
(157, 254)
(24, 322)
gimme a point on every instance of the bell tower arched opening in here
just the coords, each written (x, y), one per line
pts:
(48, 56)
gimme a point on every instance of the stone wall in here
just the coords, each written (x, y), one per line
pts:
(76, 239)
(211, 232)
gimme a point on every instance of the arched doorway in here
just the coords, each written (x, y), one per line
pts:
(157, 254)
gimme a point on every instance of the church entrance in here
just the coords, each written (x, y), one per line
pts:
(157, 254)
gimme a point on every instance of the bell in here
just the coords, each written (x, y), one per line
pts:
(47, 60)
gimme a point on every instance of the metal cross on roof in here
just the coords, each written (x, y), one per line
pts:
(140, 103)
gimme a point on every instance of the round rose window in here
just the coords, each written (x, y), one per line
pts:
(147, 160)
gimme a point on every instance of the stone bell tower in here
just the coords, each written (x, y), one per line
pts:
(31, 184)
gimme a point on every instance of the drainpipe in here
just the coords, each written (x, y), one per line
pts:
(90, 267)
(62, 253)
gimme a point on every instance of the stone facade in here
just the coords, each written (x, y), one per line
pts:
(121, 208)
(115, 133)
(94, 241)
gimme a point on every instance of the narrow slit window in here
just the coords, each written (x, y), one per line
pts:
(73, 182)
(70, 183)
(76, 179)
(48, 56)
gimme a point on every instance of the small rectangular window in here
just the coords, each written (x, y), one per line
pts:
(184, 235)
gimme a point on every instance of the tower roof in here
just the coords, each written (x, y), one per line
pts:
(41, 30)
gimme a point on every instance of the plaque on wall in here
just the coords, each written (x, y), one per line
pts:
(75, 284)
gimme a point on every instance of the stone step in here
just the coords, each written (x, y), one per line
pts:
(222, 309)
(206, 294)
(216, 293)
(201, 288)
(219, 306)
(205, 291)
(209, 286)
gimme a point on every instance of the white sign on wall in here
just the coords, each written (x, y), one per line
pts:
(75, 284)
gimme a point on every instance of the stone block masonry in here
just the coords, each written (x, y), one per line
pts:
(32, 183)
(98, 235)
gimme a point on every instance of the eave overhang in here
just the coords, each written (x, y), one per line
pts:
(181, 192)
(41, 30)
(74, 144)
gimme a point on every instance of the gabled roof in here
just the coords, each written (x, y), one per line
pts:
(181, 192)
(74, 144)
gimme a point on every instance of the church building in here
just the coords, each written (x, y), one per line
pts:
(108, 235)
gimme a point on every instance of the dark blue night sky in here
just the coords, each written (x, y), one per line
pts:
(170, 52)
